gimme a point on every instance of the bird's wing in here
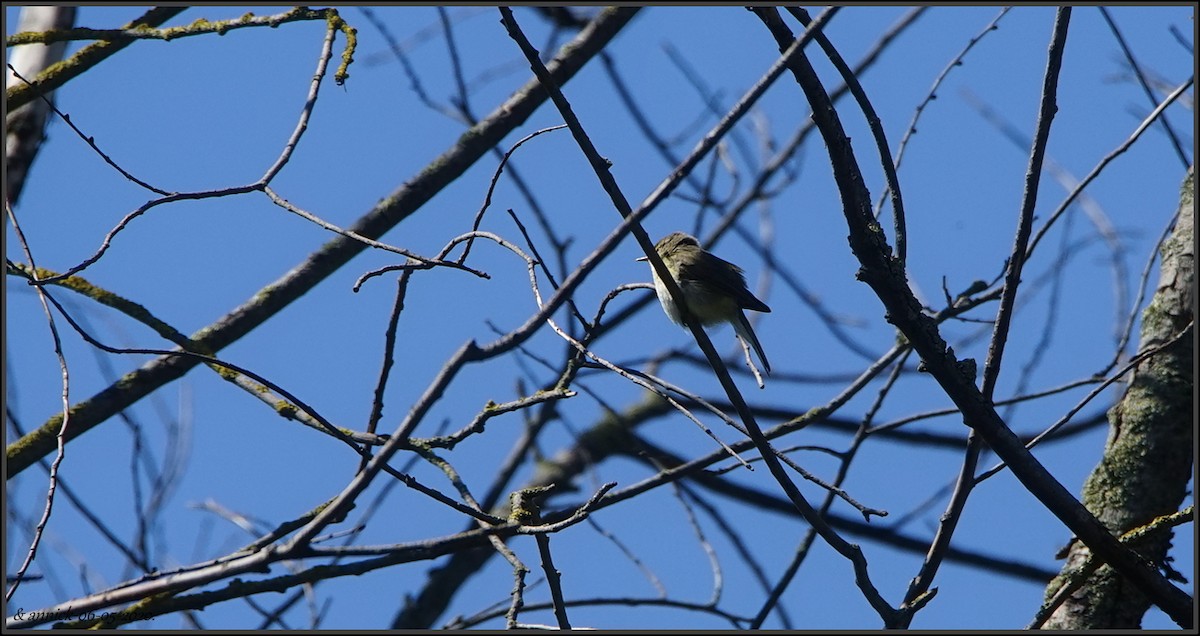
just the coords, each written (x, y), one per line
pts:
(727, 278)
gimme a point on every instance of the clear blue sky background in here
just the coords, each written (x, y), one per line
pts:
(211, 112)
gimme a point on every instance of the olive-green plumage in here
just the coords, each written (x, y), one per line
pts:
(715, 289)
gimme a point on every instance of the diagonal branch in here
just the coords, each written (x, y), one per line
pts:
(881, 271)
(85, 59)
(473, 144)
(1008, 297)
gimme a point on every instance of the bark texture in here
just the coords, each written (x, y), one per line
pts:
(25, 126)
(1148, 457)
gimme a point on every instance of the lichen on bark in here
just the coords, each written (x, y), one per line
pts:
(1148, 457)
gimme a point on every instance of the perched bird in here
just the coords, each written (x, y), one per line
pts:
(714, 288)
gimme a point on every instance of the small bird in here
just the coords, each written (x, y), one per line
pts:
(715, 289)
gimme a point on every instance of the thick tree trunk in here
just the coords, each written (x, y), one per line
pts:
(26, 125)
(1148, 457)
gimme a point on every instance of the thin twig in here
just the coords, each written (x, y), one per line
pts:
(60, 437)
(1141, 78)
(1118, 151)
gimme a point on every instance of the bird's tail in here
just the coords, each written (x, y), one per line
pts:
(742, 327)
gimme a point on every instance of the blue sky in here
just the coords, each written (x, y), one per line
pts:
(214, 112)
